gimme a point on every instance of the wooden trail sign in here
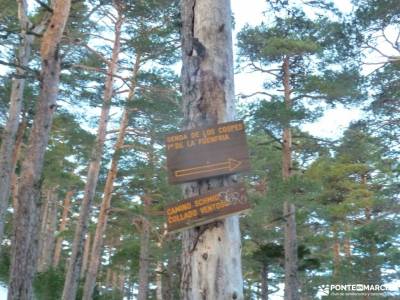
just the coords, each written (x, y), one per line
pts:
(217, 204)
(208, 152)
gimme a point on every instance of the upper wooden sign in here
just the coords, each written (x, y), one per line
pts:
(208, 152)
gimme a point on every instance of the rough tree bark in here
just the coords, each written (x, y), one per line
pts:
(159, 290)
(49, 228)
(15, 158)
(90, 280)
(62, 227)
(16, 103)
(264, 282)
(144, 259)
(72, 277)
(289, 211)
(211, 254)
(26, 222)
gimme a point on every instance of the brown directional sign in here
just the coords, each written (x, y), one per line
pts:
(207, 152)
(217, 204)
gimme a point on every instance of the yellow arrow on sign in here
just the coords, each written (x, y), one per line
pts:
(230, 165)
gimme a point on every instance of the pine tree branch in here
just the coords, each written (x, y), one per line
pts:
(44, 5)
(255, 93)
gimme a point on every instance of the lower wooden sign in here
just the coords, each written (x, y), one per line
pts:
(199, 210)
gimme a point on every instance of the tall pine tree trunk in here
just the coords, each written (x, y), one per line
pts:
(16, 104)
(15, 158)
(159, 283)
(144, 259)
(90, 280)
(347, 242)
(86, 254)
(62, 227)
(289, 211)
(264, 282)
(48, 240)
(211, 254)
(26, 222)
(74, 268)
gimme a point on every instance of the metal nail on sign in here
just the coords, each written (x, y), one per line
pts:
(199, 210)
(208, 152)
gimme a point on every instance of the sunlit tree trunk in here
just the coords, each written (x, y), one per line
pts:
(15, 158)
(26, 221)
(211, 254)
(347, 242)
(48, 231)
(7, 148)
(336, 256)
(90, 280)
(74, 268)
(62, 227)
(86, 254)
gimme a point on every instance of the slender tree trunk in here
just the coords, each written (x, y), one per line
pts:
(26, 222)
(62, 227)
(211, 254)
(375, 276)
(264, 282)
(72, 277)
(291, 278)
(169, 284)
(43, 225)
(48, 240)
(336, 257)
(347, 243)
(16, 155)
(16, 103)
(108, 277)
(336, 254)
(86, 254)
(144, 259)
(121, 284)
(90, 280)
(159, 283)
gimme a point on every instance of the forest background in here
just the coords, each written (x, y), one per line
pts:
(344, 76)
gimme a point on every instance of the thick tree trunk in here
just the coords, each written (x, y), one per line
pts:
(62, 227)
(90, 280)
(48, 231)
(264, 282)
(86, 253)
(16, 103)
(291, 279)
(72, 277)
(26, 222)
(144, 259)
(211, 262)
